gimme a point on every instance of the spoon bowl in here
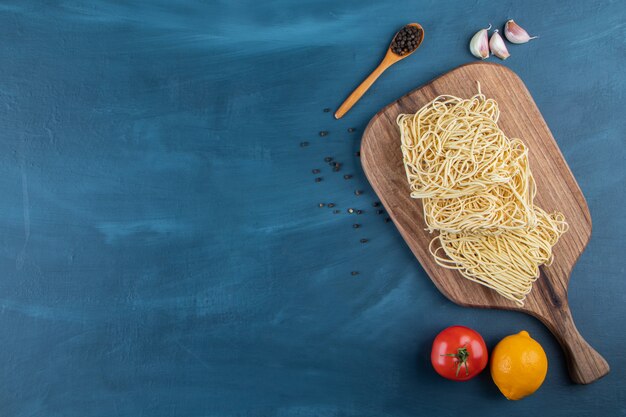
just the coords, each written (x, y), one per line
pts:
(399, 57)
(390, 58)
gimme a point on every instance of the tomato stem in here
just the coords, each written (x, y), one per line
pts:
(461, 355)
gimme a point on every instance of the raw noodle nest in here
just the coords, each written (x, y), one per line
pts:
(508, 262)
(453, 148)
(478, 191)
(500, 207)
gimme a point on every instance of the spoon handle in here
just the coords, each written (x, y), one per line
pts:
(361, 89)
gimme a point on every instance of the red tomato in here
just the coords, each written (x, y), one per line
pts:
(459, 353)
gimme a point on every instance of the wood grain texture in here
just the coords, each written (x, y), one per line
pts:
(556, 190)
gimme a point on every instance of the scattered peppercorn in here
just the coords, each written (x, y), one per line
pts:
(328, 159)
(303, 144)
(364, 241)
(358, 192)
(323, 133)
(326, 110)
(357, 154)
(375, 204)
(380, 211)
(356, 225)
(316, 171)
(353, 273)
(387, 220)
(331, 205)
(336, 211)
(318, 179)
(351, 129)
(359, 212)
(347, 177)
(321, 205)
(337, 168)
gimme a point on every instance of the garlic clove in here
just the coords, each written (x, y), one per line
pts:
(515, 33)
(497, 46)
(479, 44)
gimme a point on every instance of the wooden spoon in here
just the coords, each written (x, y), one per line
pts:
(389, 59)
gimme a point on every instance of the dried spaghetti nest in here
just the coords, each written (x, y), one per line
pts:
(478, 191)
(508, 262)
(453, 147)
(500, 207)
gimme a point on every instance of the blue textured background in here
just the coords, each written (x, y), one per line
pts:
(161, 248)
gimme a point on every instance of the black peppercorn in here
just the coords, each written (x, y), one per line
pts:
(380, 211)
(323, 133)
(356, 225)
(347, 177)
(326, 110)
(318, 179)
(359, 212)
(331, 205)
(303, 144)
(364, 241)
(375, 204)
(351, 129)
(321, 205)
(316, 171)
(406, 40)
(328, 159)
(358, 192)
(354, 273)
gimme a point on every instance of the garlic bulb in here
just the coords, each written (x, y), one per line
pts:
(497, 46)
(515, 33)
(479, 44)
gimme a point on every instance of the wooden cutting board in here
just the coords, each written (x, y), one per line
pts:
(556, 190)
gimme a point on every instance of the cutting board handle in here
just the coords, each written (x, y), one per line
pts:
(585, 365)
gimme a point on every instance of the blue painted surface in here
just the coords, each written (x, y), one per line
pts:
(161, 248)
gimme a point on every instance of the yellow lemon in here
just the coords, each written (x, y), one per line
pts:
(518, 365)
